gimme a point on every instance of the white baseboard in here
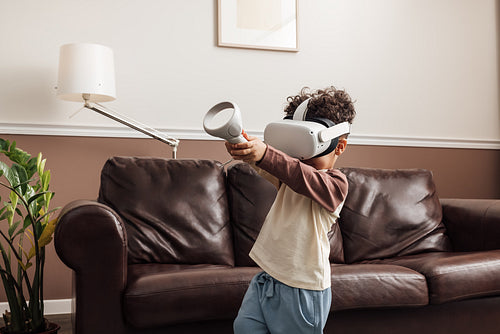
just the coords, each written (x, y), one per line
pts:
(54, 306)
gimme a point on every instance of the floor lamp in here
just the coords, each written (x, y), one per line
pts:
(87, 74)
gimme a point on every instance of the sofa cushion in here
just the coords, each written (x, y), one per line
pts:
(472, 224)
(250, 198)
(164, 294)
(455, 276)
(391, 213)
(357, 286)
(175, 211)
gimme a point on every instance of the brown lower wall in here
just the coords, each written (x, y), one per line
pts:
(76, 162)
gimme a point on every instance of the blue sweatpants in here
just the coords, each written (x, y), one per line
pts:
(272, 307)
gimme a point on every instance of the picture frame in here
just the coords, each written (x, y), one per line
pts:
(258, 24)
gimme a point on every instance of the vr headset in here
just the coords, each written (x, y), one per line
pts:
(304, 137)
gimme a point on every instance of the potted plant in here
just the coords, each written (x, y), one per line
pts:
(25, 230)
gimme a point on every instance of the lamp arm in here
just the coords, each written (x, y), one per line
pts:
(99, 108)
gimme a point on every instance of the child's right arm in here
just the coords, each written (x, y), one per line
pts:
(251, 151)
(328, 188)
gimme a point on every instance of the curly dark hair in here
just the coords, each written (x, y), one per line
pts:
(331, 103)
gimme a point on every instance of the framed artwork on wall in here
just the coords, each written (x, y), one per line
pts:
(258, 24)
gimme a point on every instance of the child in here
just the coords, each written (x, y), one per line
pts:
(293, 294)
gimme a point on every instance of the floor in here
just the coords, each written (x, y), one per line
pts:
(63, 320)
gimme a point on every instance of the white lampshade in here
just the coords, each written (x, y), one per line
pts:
(86, 69)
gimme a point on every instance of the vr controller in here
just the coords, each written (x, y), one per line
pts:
(224, 121)
(299, 136)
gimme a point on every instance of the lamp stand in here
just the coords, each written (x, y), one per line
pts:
(173, 142)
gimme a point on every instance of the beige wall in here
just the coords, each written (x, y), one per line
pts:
(75, 163)
(416, 68)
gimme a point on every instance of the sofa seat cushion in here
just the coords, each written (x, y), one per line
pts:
(376, 285)
(455, 276)
(165, 294)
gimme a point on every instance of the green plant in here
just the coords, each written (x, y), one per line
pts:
(26, 214)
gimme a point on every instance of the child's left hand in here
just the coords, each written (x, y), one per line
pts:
(251, 151)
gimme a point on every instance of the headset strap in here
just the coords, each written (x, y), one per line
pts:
(301, 111)
(327, 134)
(334, 131)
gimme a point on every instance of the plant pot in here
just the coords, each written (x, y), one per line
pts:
(52, 328)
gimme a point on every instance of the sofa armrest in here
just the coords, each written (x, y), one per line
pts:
(472, 224)
(91, 239)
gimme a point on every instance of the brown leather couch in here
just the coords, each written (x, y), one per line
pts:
(165, 250)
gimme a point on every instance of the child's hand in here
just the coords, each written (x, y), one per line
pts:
(251, 151)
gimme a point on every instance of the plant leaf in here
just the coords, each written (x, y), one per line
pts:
(25, 267)
(41, 164)
(13, 199)
(9, 213)
(31, 254)
(36, 196)
(13, 228)
(47, 233)
(3, 211)
(4, 144)
(6, 215)
(45, 180)
(22, 177)
(31, 167)
(27, 222)
(9, 174)
(20, 231)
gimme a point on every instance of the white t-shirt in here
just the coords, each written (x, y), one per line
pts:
(293, 245)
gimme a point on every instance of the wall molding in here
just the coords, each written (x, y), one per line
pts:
(53, 306)
(198, 134)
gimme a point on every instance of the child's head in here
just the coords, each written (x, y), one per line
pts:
(331, 103)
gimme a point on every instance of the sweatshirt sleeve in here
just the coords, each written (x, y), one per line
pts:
(328, 188)
(266, 175)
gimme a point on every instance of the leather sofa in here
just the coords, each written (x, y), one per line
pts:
(165, 247)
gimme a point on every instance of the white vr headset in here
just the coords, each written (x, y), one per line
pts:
(305, 137)
(300, 136)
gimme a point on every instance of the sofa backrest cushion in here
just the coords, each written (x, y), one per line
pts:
(250, 198)
(391, 213)
(175, 211)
